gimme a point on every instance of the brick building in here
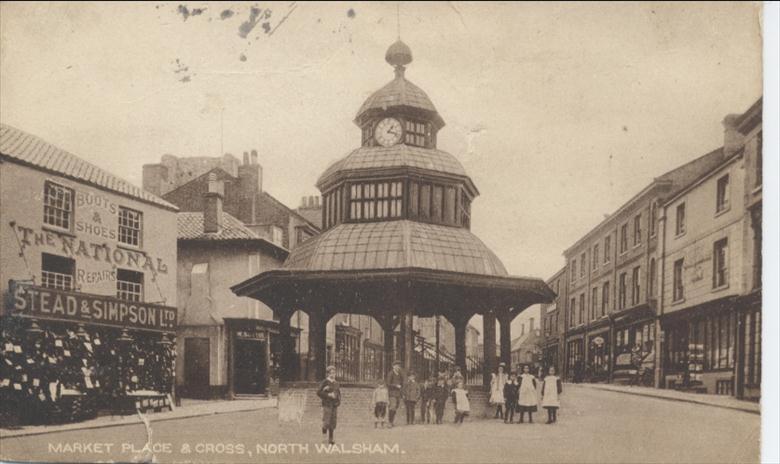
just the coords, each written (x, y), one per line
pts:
(552, 323)
(647, 286)
(88, 284)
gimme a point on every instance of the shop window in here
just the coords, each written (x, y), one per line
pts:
(607, 248)
(679, 225)
(58, 206)
(604, 298)
(415, 133)
(722, 194)
(637, 229)
(130, 226)
(678, 291)
(57, 272)
(720, 263)
(595, 258)
(622, 291)
(623, 238)
(129, 285)
(752, 349)
(635, 286)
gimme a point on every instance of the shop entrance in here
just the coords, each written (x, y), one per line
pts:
(251, 367)
(196, 366)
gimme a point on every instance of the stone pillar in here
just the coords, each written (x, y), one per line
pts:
(460, 344)
(287, 361)
(387, 327)
(408, 322)
(317, 344)
(489, 346)
(506, 339)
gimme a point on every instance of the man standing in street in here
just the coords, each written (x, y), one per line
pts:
(395, 381)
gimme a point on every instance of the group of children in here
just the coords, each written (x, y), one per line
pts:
(519, 393)
(509, 394)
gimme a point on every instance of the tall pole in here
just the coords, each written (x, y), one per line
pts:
(222, 131)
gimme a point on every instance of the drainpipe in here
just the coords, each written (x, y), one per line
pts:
(660, 268)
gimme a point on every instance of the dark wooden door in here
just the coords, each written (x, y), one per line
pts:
(251, 369)
(196, 367)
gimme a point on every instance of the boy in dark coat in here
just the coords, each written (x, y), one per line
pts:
(510, 398)
(395, 381)
(411, 394)
(330, 394)
(440, 394)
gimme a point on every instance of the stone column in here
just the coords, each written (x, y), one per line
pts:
(489, 346)
(287, 359)
(317, 344)
(460, 344)
(505, 319)
(387, 327)
(408, 322)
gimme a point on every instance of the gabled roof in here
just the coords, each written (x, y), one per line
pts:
(190, 228)
(33, 151)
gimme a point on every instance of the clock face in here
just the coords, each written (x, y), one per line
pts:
(388, 132)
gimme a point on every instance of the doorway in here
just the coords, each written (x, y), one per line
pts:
(251, 367)
(196, 367)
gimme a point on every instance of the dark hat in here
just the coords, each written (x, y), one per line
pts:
(330, 369)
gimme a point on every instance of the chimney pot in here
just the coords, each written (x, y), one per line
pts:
(732, 139)
(254, 156)
(246, 158)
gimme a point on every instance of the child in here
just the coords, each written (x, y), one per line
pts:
(461, 398)
(551, 390)
(380, 399)
(440, 394)
(425, 402)
(497, 382)
(330, 394)
(527, 394)
(510, 398)
(411, 395)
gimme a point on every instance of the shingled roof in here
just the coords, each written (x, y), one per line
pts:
(33, 151)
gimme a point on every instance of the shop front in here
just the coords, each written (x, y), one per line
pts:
(575, 358)
(66, 356)
(700, 348)
(597, 367)
(253, 356)
(634, 347)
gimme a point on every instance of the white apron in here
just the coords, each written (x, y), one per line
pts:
(527, 394)
(550, 392)
(497, 388)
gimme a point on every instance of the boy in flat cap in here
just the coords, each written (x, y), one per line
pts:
(330, 394)
(395, 382)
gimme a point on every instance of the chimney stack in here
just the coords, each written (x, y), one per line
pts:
(254, 156)
(246, 158)
(212, 211)
(732, 139)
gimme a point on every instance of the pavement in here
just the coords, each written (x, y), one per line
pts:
(720, 401)
(594, 425)
(189, 408)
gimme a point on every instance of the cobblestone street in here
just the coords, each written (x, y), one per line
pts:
(594, 426)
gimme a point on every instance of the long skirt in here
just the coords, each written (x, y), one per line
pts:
(329, 417)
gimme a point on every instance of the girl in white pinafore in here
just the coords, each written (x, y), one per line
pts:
(527, 399)
(551, 391)
(497, 382)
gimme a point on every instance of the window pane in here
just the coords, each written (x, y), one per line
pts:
(449, 203)
(414, 193)
(425, 201)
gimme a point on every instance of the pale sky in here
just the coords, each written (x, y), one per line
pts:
(559, 112)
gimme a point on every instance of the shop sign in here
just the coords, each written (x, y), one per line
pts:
(252, 335)
(598, 341)
(46, 303)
